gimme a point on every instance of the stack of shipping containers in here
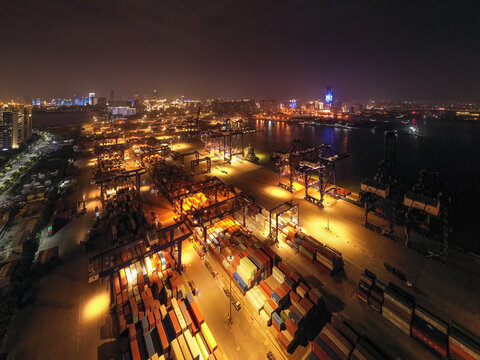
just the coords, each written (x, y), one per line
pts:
(400, 309)
(161, 319)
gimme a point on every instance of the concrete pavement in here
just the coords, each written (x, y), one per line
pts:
(69, 319)
(451, 291)
(245, 338)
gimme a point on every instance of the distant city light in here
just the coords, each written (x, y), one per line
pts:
(329, 96)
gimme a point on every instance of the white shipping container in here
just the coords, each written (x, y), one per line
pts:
(192, 345)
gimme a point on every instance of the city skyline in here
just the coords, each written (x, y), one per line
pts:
(251, 50)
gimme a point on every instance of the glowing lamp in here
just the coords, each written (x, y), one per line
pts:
(150, 267)
(128, 273)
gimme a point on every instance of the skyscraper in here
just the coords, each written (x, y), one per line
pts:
(15, 126)
(328, 97)
(27, 122)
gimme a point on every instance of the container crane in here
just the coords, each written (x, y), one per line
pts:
(320, 173)
(380, 194)
(426, 211)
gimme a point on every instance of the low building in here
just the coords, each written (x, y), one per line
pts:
(124, 111)
(245, 106)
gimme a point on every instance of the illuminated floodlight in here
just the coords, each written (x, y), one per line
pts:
(150, 267)
(128, 273)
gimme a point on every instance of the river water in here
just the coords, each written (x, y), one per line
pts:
(451, 148)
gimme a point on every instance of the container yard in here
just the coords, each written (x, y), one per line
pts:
(155, 208)
(397, 306)
(157, 316)
(337, 340)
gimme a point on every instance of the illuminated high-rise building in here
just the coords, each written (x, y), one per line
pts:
(91, 96)
(293, 104)
(328, 97)
(15, 126)
(27, 122)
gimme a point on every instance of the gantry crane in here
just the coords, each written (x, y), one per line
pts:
(381, 193)
(288, 161)
(427, 211)
(320, 173)
(230, 141)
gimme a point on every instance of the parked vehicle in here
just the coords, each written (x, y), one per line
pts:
(193, 288)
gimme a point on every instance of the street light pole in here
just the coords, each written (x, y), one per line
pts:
(230, 259)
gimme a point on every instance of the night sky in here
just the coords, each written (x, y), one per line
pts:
(424, 50)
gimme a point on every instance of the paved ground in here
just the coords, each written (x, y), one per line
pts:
(451, 291)
(68, 238)
(245, 338)
(69, 316)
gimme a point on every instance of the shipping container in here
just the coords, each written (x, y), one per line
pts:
(209, 339)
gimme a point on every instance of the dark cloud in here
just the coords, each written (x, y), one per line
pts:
(364, 48)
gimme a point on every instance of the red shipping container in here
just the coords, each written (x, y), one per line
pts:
(338, 323)
(286, 288)
(135, 353)
(275, 326)
(458, 354)
(195, 328)
(325, 253)
(309, 247)
(338, 336)
(431, 343)
(163, 338)
(266, 289)
(283, 340)
(322, 268)
(304, 286)
(117, 286)
(197, 315)
(272, 304)
(151, 320)
(332, 346)
(122, 323)
(319, 352)
(291, 327)
(313, 297)
(306, 304)
(132, 332)
(174, 321)
(157, 315)
(294, 297)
